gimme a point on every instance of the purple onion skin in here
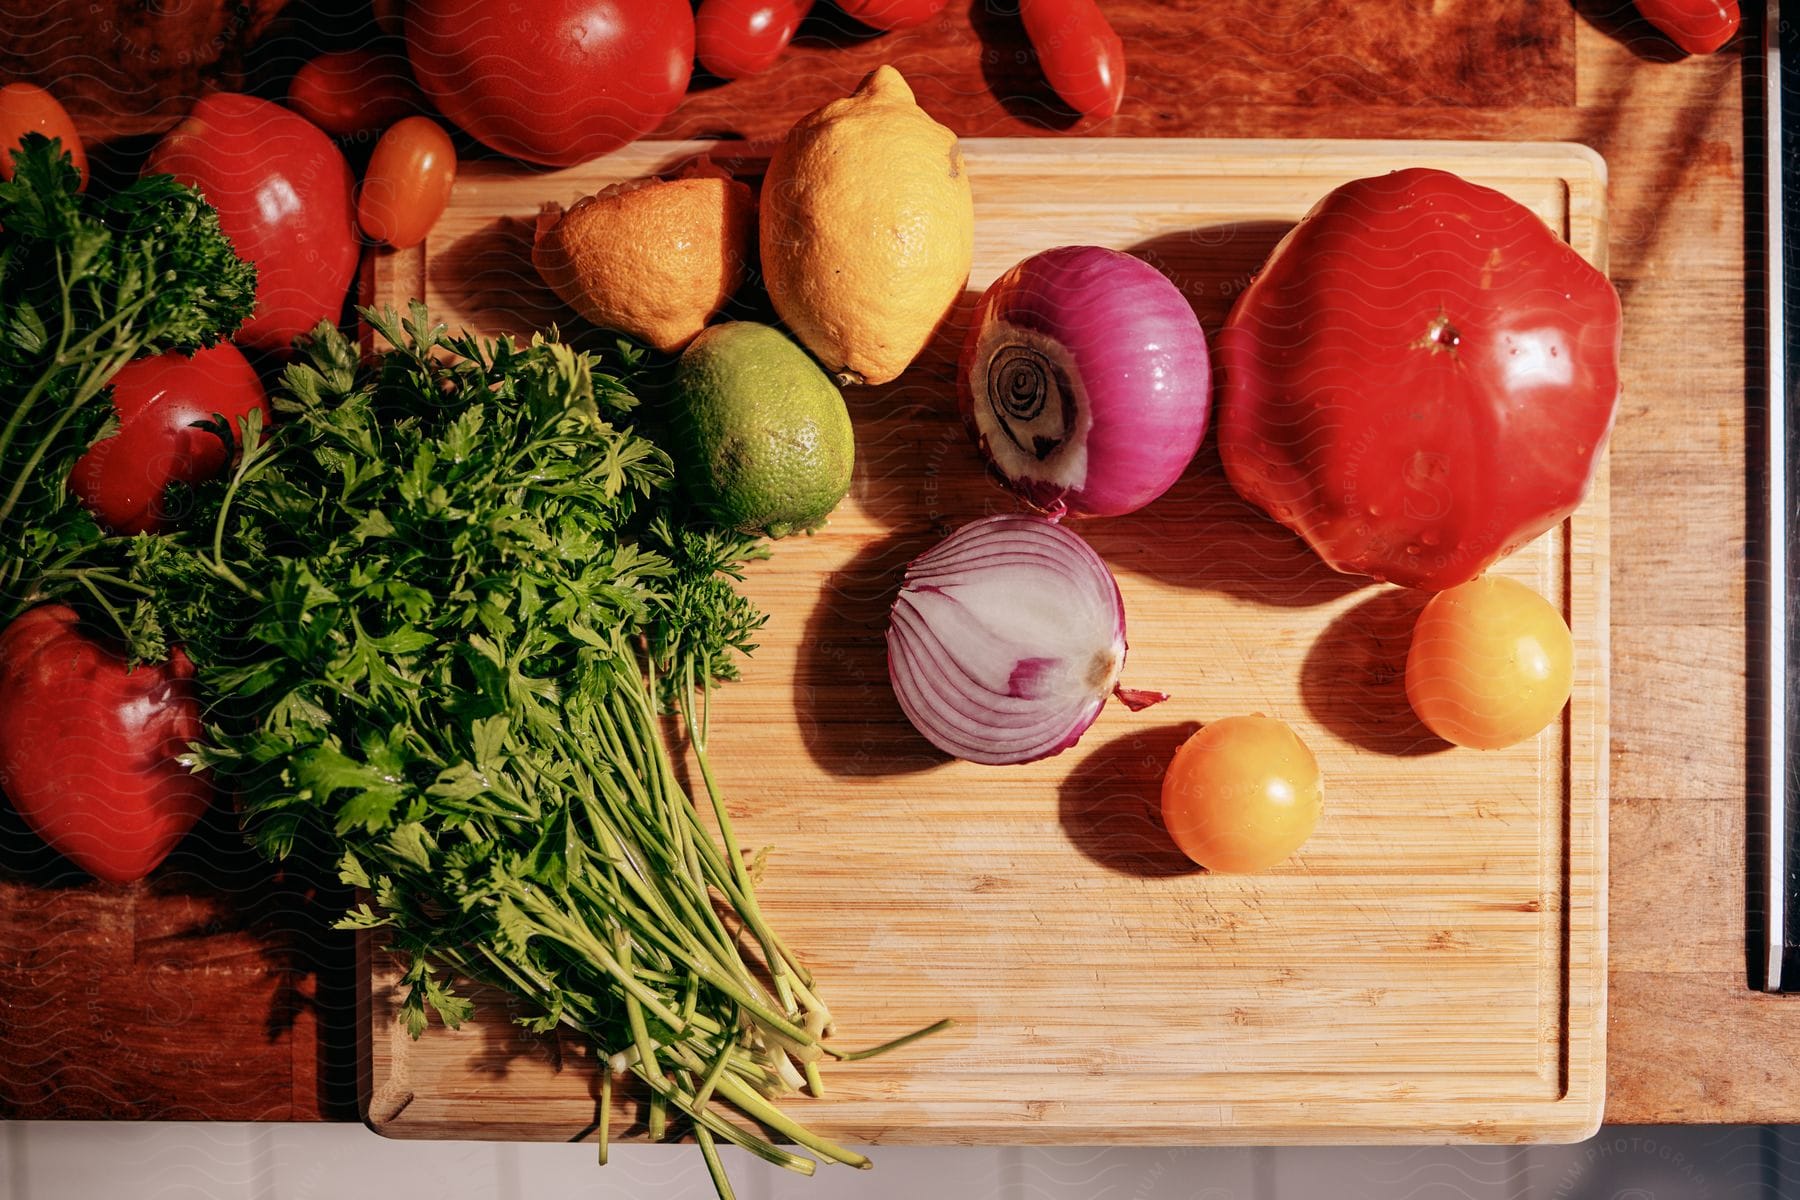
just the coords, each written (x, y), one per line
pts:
(1127, 339)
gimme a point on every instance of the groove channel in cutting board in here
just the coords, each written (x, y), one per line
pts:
(1432, 964)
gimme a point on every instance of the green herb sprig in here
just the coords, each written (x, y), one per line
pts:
(87, 284)
(442, 608)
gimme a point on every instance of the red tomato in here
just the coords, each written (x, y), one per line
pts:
(1697, 26)
(559, 83)
(1242, 794)
(1420, 380)
(892, 14)
(408, 183)
(735, 38)
(88, 748)
(1491, 663)
(353, 91)
(27, 108)
(1082, 57)
(122, 479)
(283, 192)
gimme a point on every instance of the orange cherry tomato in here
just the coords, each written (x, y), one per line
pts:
(27, 108)
(408, 183)
(1491, 663)
(354, 91)
(1242, 794)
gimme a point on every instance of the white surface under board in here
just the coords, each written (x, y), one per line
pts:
(93, 1161)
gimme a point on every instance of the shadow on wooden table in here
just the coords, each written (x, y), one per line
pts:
(216, 892)
(214, 926)
(1010, 68)
(1620, 21)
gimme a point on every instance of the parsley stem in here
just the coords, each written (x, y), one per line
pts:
(56, 360)
(714, 1167)
(757, 1108)
(752, 912)
(92, 387)
(893, 1044)
(101, 575)
(111, 612)
(605, 1110)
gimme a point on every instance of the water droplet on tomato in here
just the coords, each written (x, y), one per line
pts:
(1429, 537)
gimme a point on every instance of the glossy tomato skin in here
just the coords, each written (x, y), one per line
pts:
(283, 193)
(346, 92)
(1083, 59)
(1242, 794)
(738, 38)
(407, 184)
(88, 748)
(1491, 663)
(122, 479)
(555, 82)
(1420, 380)
(27, 108)
(1697, 26)
(888, 15)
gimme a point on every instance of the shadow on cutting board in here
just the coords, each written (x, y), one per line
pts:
(1354, 679)
(849, 718)
(1111, 804)
(1201, 534)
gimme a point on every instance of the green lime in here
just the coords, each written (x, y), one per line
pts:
(763, 438)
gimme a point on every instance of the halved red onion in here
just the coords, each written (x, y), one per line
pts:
(1085, 381)
(1006, 639)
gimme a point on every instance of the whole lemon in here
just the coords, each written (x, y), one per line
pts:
(867, 229)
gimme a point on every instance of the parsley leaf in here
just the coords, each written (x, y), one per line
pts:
(87, 283)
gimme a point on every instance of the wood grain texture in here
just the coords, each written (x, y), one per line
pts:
(1689, 1041)
(1429, 967)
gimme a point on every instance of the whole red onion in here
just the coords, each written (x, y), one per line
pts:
(1085, 381)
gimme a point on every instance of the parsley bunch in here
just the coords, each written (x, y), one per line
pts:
(87, 284)
(439, 611)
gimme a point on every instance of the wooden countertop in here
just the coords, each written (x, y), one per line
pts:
(215, 991)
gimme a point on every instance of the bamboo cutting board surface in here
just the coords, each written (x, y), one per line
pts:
(1429, 967)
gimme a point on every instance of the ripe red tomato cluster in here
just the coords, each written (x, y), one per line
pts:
(1082, 57)
(584, 77)
(286, 197)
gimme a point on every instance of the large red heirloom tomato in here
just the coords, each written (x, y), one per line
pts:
(162, 402)
(89, 748)
(283, 192)
(1420, 380)
(553, 81)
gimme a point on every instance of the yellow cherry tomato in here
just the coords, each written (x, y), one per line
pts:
(27, 108)
(408, 182)
(1491, 663)
(1242, 794)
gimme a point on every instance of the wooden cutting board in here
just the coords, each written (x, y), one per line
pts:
(1429, 967)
